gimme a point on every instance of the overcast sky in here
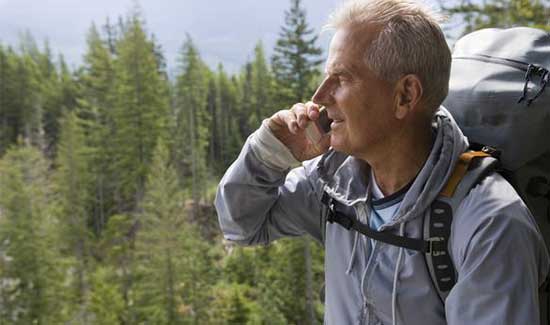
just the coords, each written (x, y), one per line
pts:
(224, 30)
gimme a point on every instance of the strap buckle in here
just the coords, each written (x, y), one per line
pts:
(437, 246)
(491, 151)
(331, 214)
(341, 219)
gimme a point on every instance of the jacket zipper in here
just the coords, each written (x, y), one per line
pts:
(363, 210)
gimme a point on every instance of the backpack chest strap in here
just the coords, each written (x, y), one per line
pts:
(432, 245)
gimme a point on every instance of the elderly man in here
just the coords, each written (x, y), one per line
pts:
(388, 155)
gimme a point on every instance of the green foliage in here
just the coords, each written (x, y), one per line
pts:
(26, 100)
(172, 261)
(263, 82)
(275, 281)
(296, 59)
(119, 228)
(115, 250)
(31, 268)
(231, 305)
(284, 278)
(106, 301)
(73, 187)
(501, 13)
(192, 120)
(139, 114)
(11, 120)
(59, 93)
(230, 123)
(257, 90)
(159, 243)
(97, 99)
(34, 93)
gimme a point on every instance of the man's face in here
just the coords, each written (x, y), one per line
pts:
(361, 105)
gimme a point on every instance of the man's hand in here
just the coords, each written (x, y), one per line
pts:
(289, 127)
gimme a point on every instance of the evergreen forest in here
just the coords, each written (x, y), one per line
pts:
(108, 173)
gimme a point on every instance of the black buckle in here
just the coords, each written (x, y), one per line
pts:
(537, 71)
(491, 151)
(437, 246)
(345, 221)
(341, 219)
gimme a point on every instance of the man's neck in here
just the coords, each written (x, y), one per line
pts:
(401, 161)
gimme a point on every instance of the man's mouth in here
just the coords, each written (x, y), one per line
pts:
(335, 123)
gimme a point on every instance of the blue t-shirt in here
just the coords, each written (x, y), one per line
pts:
(384, 207)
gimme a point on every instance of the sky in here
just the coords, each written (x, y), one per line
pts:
(224, 31)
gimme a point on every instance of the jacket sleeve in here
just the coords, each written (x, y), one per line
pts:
(262, 198)
(500, 257)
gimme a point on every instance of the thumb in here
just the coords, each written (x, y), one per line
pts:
(322, 145)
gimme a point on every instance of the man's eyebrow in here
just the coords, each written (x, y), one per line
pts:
(338, 70)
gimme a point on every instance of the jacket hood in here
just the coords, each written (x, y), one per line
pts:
(337, 170)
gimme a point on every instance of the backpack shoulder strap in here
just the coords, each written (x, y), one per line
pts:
(470, 169)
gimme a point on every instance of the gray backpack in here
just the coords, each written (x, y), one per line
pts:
(499, 94)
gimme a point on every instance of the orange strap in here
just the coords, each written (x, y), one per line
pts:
(460, 170)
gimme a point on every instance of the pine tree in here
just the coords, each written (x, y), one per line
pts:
(32, 271)
(26, 99)
(256, 86)
(140, 112)
(249, 107)
(232, 306)
(295, 65)
(262, 86)
(10, 119)
(106, 301)
(296, 58)
(37, 74)
(501, 13)
(215, 139)
(172, 262)
(232, 121)
(115, 251)
(159, 244)
(192, 122)
(111, 35)
(50, 89)
(96, 103)
(74, 188)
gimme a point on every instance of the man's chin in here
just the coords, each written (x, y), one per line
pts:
(337, 143)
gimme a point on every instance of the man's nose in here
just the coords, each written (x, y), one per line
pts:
(322, 95)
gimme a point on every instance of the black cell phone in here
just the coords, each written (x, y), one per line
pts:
(316, 130)
(324, 121)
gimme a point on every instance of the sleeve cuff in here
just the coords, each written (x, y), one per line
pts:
(271, 151)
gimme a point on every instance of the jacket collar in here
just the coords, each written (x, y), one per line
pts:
(345, 178)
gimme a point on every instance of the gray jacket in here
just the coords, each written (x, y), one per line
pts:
(495, 244)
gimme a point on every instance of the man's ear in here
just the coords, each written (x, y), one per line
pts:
(408, 92)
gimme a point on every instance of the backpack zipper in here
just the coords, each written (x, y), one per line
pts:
(529, 69)
(493, 59)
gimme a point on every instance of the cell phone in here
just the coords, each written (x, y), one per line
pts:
(320, 127)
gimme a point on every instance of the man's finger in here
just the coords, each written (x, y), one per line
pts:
(290, 120)
(312, 110)
(301, 114)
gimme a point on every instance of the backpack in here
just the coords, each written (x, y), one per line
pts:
(497, 97)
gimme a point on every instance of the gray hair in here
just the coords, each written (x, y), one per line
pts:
(410, 41)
